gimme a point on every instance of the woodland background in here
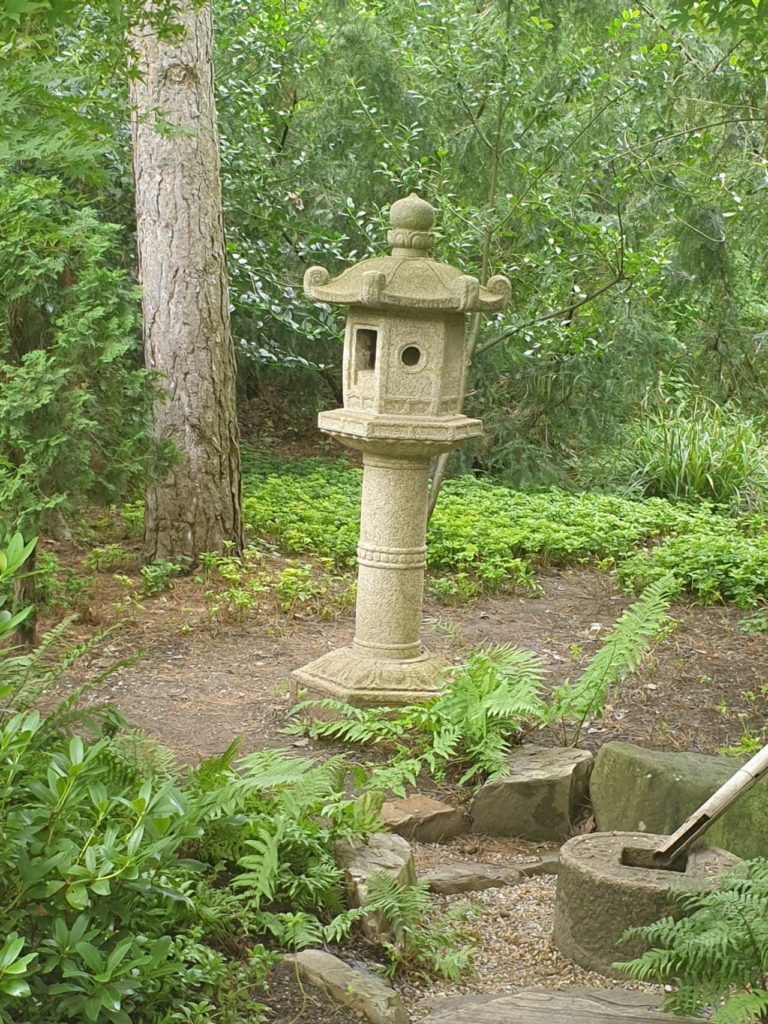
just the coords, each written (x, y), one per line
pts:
(610, 160)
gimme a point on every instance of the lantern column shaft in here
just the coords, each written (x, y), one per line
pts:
(391, 556)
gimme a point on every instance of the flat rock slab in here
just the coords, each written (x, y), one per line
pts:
(422, 819)
(576, 1006)
(373, 997)
(547, 864)
(638, 790)
(539, 799)
(453, 878)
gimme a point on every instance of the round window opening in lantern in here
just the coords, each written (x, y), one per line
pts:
(410, 356)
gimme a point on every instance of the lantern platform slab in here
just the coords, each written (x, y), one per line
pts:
(348, 675)
(427, 434)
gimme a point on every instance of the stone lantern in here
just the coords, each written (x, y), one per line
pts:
(404, 368)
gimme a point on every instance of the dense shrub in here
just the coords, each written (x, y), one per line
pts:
(74, 405)
(131, 891)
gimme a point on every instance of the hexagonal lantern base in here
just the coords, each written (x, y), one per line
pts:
(348, 675)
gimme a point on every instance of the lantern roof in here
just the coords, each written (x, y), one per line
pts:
(409, 278)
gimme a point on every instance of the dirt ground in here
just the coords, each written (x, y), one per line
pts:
(195, 688)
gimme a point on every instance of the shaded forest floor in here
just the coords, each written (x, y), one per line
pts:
(194, 681)
(195, 684)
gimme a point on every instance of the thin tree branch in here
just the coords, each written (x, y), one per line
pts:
(553, 314)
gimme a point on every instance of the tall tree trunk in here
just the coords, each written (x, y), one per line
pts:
(182, 269)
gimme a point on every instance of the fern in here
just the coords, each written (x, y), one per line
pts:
(621, 653)
(133, 755)
(718, 953)
(486, 704)
(424, 941)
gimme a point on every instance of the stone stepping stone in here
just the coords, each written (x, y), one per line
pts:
(456, 878)
(540, 797)
(576, 1006)
(422, 819)
(370, 996)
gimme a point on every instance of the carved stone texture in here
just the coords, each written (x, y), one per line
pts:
(655, 791)
(411, 280)
(366, 682)
(404, 370)
(386, 662)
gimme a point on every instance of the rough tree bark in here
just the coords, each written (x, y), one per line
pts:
(182, 270)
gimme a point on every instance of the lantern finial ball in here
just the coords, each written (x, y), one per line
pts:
(411, 219)
(412, 214)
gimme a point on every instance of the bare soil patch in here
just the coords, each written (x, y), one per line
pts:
(194, 685)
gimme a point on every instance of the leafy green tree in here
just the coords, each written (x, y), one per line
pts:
(73, 405)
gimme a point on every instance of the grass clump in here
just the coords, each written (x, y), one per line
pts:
(693, 449)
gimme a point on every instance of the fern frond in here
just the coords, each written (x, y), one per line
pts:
(743, 1008)
(260, 878)
(402, 905)
(718, 953)
(621, 653)
(214, 770)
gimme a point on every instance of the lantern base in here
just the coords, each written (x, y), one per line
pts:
(348, 675)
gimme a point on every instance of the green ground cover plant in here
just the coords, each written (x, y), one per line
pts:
(484, 536)
(716, 955)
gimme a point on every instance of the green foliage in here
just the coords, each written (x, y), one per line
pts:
(621, 653)
(295, 585)
(747, 19)
(157, 576)
(695, 450)
(73, 410)
(306, 507)
(609, 160)
(490, 701)
(424, 942)
(490, 537)
(716, 955)
(716, 562)
(165, 895)
(108, 556)
(486, 704)
(12, 558)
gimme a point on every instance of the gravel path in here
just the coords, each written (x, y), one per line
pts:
(515, 932)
